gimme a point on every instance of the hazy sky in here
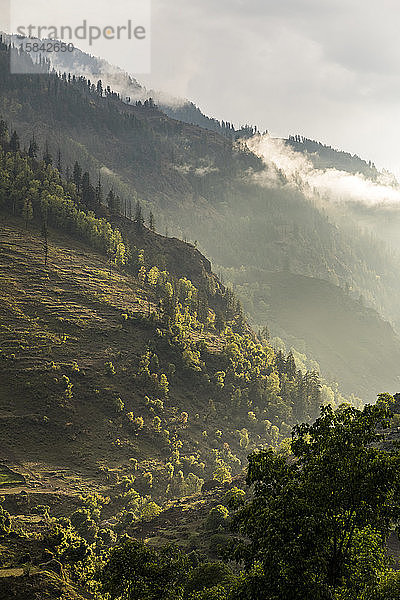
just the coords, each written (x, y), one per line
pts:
(328, 69)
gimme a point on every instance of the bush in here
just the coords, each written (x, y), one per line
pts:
(208, 575)
(5, 521)
(109, 369)
(150, 510)
(107, 536)
(223, 473)
(217, 518)
(234, 498)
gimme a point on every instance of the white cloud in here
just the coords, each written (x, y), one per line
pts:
(330, 185)
(327, 70)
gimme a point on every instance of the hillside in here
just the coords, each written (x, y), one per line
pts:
(200, 185)
(106, 399)
(351, 342)
(326, 157)
(130, 90)
(137, 405)
(67, 327)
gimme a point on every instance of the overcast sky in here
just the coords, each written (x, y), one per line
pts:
(327, 69)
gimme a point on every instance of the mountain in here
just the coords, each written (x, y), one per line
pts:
(327, 324)
(200, 185)
(80, 63)
(326, 157)
(133, 388)
(124, 387)
(106, 342)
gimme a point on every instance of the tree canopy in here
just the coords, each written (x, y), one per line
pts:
(317, 525)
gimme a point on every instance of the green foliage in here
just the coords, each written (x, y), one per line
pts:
(223, 473)
(388, 588)
(217, 518)
(150, 510)
(5, 520)
(317, 526)
(234, 498)
(136, 572)
(209, 577)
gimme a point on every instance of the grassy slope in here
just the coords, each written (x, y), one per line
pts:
(64, 321)
(66, 313)
(71, 312)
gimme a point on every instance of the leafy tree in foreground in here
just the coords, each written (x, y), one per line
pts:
(136, 572)
(317, 524)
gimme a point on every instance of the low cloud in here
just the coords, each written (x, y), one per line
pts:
(285, 166)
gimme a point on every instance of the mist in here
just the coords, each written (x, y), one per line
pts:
(330, 185)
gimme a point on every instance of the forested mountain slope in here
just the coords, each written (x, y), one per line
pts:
(198, 184)
(123, 387)
(329, 325)
(326, 157)
(132, 388)
(108, 332)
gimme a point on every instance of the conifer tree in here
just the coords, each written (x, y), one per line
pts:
(59, 163)
(33, 148)
(77, 176)
(4, 137)
(151, 222)
(14, 142)
(27, 212)
(138, 215)
(99, 193)
(46, 156)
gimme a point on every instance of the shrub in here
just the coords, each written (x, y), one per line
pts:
(150, 510)
(109, 369)
(5, 521)
(234, 497)
(164, 385)
(217, 518)
(107, 536)
(223, 473)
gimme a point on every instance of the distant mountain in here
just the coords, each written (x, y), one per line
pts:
(326, 157)
(350, 341)
(80, 63)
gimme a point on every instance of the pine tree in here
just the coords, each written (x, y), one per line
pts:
(77, 176)
(27, 212)
(138, 216)
(85, 189)
(47, 159)
(14, 142)
(4, 137)
(151, 222)
(113, 203)
(99, 193)
(33, 148)
(290, 366)
(59, 164)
